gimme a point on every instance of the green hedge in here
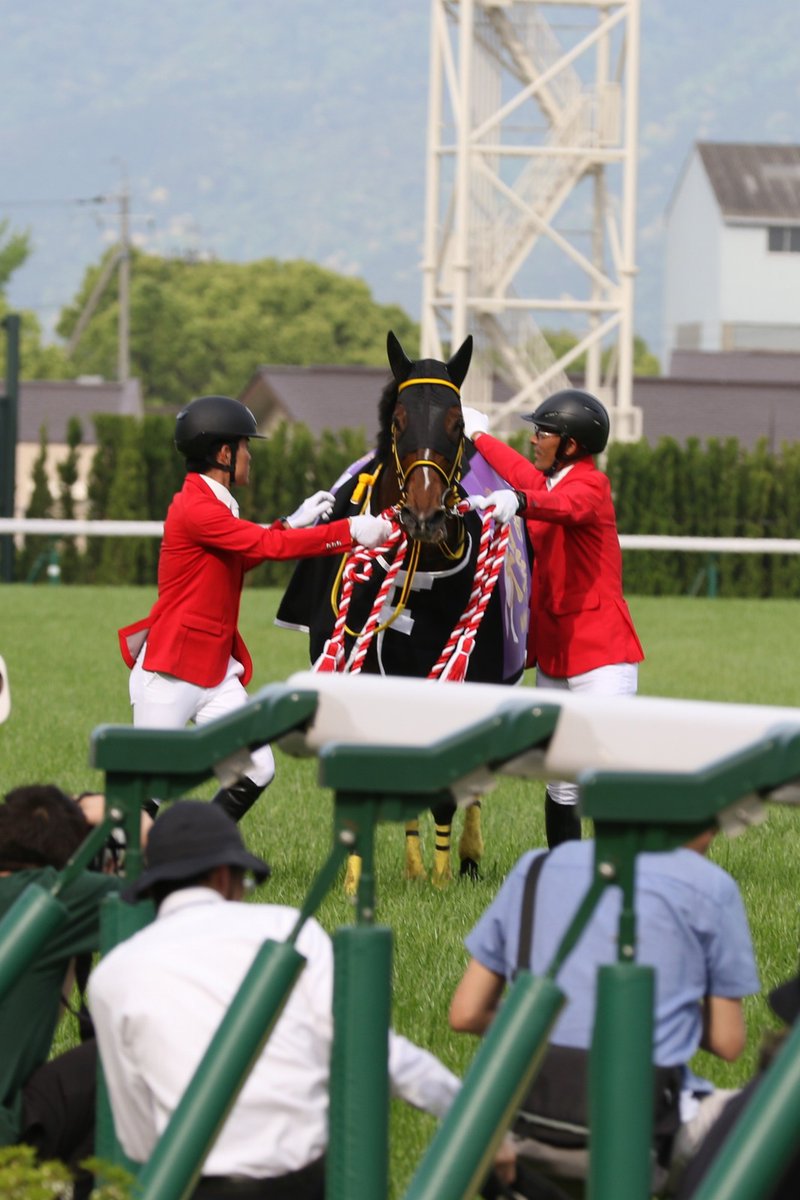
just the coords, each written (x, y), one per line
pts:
(135, 473)
(715, 489)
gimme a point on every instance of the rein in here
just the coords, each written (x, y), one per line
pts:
(454, 659)
(448, 476)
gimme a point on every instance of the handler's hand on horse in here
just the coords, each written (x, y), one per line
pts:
(505, 504)
(315, 508)
(370, 531)
(474, 421)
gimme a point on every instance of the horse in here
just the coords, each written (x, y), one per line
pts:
(421, 470)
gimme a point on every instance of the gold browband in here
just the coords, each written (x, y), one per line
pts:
(443, 382)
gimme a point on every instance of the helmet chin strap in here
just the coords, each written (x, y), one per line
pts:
(558, 463)
(229, 468)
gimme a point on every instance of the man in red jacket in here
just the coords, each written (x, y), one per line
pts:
(581, 635)
(188, 659)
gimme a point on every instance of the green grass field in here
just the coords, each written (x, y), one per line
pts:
(67, 677)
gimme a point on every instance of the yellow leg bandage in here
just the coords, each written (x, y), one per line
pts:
(471, 842)
(415, 868)
(441, 865)
(353, 875)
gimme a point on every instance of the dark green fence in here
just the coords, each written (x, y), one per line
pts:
(632, 811)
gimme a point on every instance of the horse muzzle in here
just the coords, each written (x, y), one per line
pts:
(430, 528)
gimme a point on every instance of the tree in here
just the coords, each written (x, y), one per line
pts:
(68, 475)
(203, 327)
(36, 548)
(130, 558)
(14, 250)
(36, 361)
(562, 340)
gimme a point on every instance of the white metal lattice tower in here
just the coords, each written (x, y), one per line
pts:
(531, 197)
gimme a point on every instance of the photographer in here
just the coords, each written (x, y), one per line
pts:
(49, 1104)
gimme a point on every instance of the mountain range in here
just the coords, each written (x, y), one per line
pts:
(247, 129)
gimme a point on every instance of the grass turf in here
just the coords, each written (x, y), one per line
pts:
(67, 677)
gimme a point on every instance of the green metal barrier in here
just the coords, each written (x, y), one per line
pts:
(632, 812)
(357, 1164)
(38, 912)
(766, 1135)
(501, 1072)
(142, 763)
(621, 1083)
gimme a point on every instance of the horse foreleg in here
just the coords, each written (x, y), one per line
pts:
(470, 846)
(443, 821)
(415, 868)
(352, 875)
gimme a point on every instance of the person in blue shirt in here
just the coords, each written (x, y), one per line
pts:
(691, 927)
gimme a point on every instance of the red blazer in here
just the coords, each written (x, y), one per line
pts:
(192, 628)
(579, 618)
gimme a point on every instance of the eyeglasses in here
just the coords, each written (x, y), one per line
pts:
(538, 432)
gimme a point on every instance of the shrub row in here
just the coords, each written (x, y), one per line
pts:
(715, 489)
(136, 471)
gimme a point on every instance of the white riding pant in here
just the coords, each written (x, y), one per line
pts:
(166, 702)
(617, 679)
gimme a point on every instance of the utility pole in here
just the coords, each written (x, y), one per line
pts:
(9, 405)
(123, 338)
(119, 261)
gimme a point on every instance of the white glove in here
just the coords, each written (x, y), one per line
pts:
(370, 531)
(474, 421)
(315, 508)
(505, 504)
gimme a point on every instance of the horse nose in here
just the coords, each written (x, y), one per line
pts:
(429, 528)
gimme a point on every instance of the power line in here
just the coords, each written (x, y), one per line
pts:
(63, 203)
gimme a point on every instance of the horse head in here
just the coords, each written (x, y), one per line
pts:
(425, 436)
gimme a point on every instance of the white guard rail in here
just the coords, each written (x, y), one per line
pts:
(40, 526)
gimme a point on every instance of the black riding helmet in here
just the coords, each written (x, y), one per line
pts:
(209, 422)
(574, 414)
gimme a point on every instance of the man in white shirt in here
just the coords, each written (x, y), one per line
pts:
(158, 998)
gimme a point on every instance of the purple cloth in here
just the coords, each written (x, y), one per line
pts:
(480, 479)
(514, 584)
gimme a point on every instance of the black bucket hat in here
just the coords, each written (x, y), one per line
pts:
(192, 837)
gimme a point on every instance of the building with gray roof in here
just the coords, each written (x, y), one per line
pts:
(732, 275)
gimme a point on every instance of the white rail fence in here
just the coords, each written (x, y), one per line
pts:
(40, 526)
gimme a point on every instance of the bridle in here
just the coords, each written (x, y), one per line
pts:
(439, 444)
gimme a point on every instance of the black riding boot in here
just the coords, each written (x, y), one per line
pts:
(561, 822)
(239, 798)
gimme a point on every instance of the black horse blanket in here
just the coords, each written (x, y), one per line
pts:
(410, 644)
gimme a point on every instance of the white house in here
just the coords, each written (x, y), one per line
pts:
(732, 277)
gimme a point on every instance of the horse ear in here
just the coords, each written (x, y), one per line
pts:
(458, 365)
(399, 361)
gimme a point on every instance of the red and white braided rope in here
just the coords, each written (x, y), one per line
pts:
(453, 661)
(358, 569)
(454, 658)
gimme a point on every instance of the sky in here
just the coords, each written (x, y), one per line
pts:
(246, 129)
